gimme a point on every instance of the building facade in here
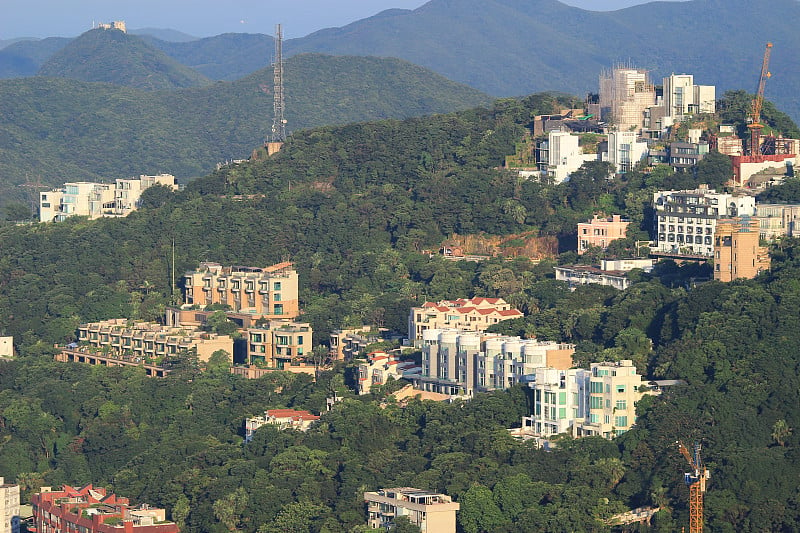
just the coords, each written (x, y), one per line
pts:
(600, 232)
(379, 368)
(429, 511)
(777, 220)
(614, 389)
(686, 220)
(682, 97)
(281, 418)
(93, 510)
(9, 507)
(737, 253)
(624, 150)
(269, 292)
(279, 344)
(611, 273)
(95, 200)
(564, 155)
(148, 341)
(461, 363)
(475, 314)
(559, 398)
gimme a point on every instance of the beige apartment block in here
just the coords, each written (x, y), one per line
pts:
(614, 389)
(475, 314)
(625, 94)
(737, 253)
(147, 341)
(9, 507)
(279, 344)
(600, 231)
(429, 511)
(128, 192)
(777, 220)
(269, 292)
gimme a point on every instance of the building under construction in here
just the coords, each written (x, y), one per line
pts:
(625, 94)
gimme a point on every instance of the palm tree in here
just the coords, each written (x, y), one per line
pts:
(780, 432)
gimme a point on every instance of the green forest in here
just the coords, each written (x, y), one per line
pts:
(54, 130)
(353, 207)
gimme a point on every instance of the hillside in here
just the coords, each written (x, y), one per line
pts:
(229, 56)
(113, 56)
(25, 58)
(352, 206)
(61, 129)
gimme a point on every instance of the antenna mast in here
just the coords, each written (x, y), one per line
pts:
(278, 104)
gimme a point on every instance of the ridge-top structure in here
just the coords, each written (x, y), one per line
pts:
(278, 102)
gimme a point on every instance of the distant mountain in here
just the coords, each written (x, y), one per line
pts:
(115, 57)
(62, 129)
(507, 47)
(26, 57)
(165, 34)
(229, 56)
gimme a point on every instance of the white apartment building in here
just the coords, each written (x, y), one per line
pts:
(95, 200)
(624, 150)
(776, 220)
(612, 273)
(564, 155)
(429, 511)
(9, 507)
(683, 97)
(686, 220)
(600, 401)
(559, 398)
(461, 363)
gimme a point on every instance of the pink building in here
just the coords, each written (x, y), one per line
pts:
(600, 232)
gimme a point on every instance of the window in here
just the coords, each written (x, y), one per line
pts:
(622, 404)
(562, 398)
(278, 310)
(562, 413)
(276, 286)
(299, 339)
(276, 297)
(621, 421)
(595, 402)
(620, 389)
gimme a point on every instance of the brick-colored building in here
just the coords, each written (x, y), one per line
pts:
(269, 292)
(91, 509)
(475, 314)
(737, 253)
(601, 231)
(278, 344)
(429, 511)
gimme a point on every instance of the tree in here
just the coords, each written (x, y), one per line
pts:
(780, 432)
(229, 509)
(715, 169)
(218, 364)
(479, 512)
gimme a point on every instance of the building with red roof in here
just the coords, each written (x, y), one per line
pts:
(90, 509)
(283, 418)
(474, 314)
(379, 367)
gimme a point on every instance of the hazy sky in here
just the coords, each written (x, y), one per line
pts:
(202, 18)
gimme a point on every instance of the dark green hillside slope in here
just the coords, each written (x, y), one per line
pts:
(113, 56)
(60, 130)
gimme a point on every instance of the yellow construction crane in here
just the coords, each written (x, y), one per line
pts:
(754, 120)
(696, 480)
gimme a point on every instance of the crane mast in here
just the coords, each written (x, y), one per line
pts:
(754, 120)
(696, 480)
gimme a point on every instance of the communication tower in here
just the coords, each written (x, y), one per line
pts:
(278, 103)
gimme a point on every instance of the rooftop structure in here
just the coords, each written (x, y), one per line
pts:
(269, 292)
(431, 512)
(282, 418)
(475, 314)
(91, 509)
